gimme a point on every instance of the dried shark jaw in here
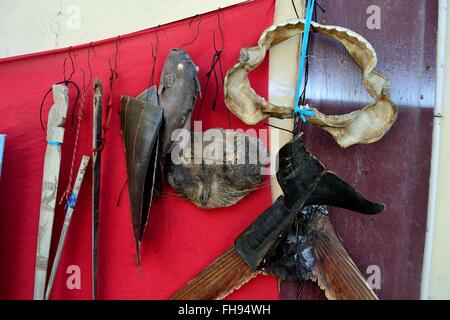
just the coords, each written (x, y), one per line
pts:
(365, 126)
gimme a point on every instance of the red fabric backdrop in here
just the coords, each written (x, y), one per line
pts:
(180, 239)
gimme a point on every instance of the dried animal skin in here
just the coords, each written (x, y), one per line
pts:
(178, 90)
(226, 171)
(365, 126)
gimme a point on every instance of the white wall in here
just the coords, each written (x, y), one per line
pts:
(30, 25)
(436, 282)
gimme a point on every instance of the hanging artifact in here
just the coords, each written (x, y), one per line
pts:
(217, 168)
(141, 122)
(55, 137)
(96, 170)
(70, 206)
(305, 182)
(364, 126)
(311, 250)
(178, 89)
(148, 123)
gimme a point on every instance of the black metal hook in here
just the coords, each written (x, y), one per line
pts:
(69, 52)
(154, 57)
(316, 4)
(221, 33)
(89, 62)
(216, 59)
(66, 82)
(114, 74)
(196, 35)
(279, 128)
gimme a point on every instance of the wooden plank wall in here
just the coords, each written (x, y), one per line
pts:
(395, 170)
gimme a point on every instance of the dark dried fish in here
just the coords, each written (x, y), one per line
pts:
(178, 90)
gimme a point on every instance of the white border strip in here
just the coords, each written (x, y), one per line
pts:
(440, 72)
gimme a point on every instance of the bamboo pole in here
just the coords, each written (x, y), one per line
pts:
(283, 70)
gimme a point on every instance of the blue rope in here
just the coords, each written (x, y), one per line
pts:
(71, 201)
(305, 111)
(54, 143)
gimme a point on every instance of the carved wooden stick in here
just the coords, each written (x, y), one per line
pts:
(70, 206)
(52, 162)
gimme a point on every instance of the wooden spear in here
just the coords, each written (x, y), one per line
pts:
(69, 211)
(96, 160)
(52, 162)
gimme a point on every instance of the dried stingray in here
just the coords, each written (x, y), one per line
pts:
(141, 122)
(302, 179)
(365, 126)
(178, 89)
(226, 174)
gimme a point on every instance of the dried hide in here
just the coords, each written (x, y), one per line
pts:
(364, 126)
(178, 90)
(225, 169)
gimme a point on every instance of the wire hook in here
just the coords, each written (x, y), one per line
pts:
(198, 31)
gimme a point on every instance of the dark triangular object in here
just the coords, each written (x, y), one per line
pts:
(333, 191)
(300, 174)
(330, 190)
(140, 126)
(151, 96)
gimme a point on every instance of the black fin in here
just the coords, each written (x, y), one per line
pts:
(333, 191)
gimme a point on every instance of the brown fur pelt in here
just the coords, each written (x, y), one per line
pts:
(222, 174)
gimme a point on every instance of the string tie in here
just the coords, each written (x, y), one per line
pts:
(71, 201)
(304, 111)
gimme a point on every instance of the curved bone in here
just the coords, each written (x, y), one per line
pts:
(364, 126)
